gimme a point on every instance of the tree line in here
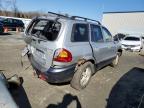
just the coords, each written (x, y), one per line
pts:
(20, 14)
(10, 8)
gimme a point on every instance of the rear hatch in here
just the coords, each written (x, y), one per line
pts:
(40, 37)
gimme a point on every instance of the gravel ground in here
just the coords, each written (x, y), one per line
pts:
(120, 87)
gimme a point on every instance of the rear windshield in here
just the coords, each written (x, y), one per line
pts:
(132, 38)
(45, 29)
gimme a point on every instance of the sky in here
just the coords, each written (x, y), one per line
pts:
(86, 8)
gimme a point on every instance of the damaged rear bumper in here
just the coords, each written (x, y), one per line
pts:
(54, 75)
(58, 75)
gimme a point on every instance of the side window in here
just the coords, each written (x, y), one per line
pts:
(107, 34)
(15, 21)
(10, 21)
(96, 34)
(80, 33)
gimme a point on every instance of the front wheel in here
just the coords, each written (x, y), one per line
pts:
(115, 61)
(82, 76)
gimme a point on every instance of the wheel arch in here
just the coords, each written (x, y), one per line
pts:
(85, 59)
(120, 51)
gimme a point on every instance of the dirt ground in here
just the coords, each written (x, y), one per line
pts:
(120, 87)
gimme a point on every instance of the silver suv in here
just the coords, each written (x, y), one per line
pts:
(62, 48)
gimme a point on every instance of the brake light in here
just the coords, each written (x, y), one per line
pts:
(62, 55)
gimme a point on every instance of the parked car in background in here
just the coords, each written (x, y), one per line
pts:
(132, 43)
(1, 18)
(1, 28)
(63, 49)
(11, 23)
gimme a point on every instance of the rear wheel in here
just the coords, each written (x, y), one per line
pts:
(82, 76)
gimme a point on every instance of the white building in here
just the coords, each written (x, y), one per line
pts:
(131, 22)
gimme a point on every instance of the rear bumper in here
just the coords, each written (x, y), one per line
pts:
(54, 75)
(58, 75)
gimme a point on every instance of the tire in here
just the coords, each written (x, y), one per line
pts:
(120, 54)
(141, 49)
(82, 76)
(115, 61)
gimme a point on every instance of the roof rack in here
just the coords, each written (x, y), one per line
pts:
(74, 17)
(59, 15)
(85, 19)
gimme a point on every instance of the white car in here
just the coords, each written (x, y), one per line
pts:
(132, 43)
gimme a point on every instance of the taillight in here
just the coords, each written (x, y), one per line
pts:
(62, 55)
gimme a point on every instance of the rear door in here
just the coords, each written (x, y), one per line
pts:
(99, 47)
(44, 33)
(109, 42)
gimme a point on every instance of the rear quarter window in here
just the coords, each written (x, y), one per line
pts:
(79, 33)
